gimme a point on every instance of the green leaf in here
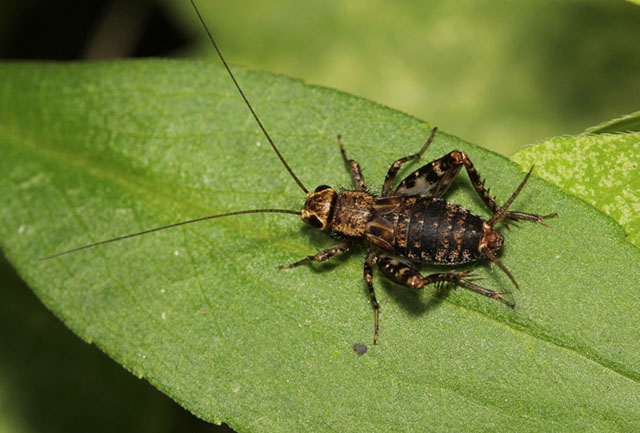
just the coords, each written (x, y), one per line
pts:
(600, 169)
(627, 123)
(92, 151)
(51, 381)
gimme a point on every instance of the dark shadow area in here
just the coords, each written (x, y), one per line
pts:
(100, 29)
(53, 382)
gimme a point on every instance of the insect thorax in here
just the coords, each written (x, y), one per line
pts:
(353, 211)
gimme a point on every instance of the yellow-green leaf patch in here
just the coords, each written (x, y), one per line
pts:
(603, 170)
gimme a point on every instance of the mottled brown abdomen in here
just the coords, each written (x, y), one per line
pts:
(429, 230)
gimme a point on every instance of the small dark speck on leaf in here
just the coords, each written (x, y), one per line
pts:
(360, 349)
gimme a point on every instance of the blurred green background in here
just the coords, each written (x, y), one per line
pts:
(500, 74)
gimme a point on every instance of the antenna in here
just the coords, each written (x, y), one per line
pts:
(242, 212)
(210, 217)
(253, 113)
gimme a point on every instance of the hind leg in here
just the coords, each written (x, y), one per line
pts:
(433, 180)
(405, 273)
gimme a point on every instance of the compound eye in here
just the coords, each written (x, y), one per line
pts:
(315, 222)
(322, 188)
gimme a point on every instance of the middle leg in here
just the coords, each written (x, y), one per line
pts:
(371, 260)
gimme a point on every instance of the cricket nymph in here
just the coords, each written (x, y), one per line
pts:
(413, 224)
(428, 230)
(409, 224)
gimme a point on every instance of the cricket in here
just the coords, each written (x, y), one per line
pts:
(400, 228)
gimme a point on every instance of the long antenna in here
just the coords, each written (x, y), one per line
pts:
(253, 113)
(210, 217)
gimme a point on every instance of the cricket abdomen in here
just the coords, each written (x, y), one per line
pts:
(442, 233)
(429, 230)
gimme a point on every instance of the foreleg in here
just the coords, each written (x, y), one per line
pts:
(323, 255)
(353, 167)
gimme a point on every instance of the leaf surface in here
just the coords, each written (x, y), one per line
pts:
(602, 169)
(93, 151)
(626, 123)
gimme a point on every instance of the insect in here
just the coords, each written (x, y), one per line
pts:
(403, 226)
